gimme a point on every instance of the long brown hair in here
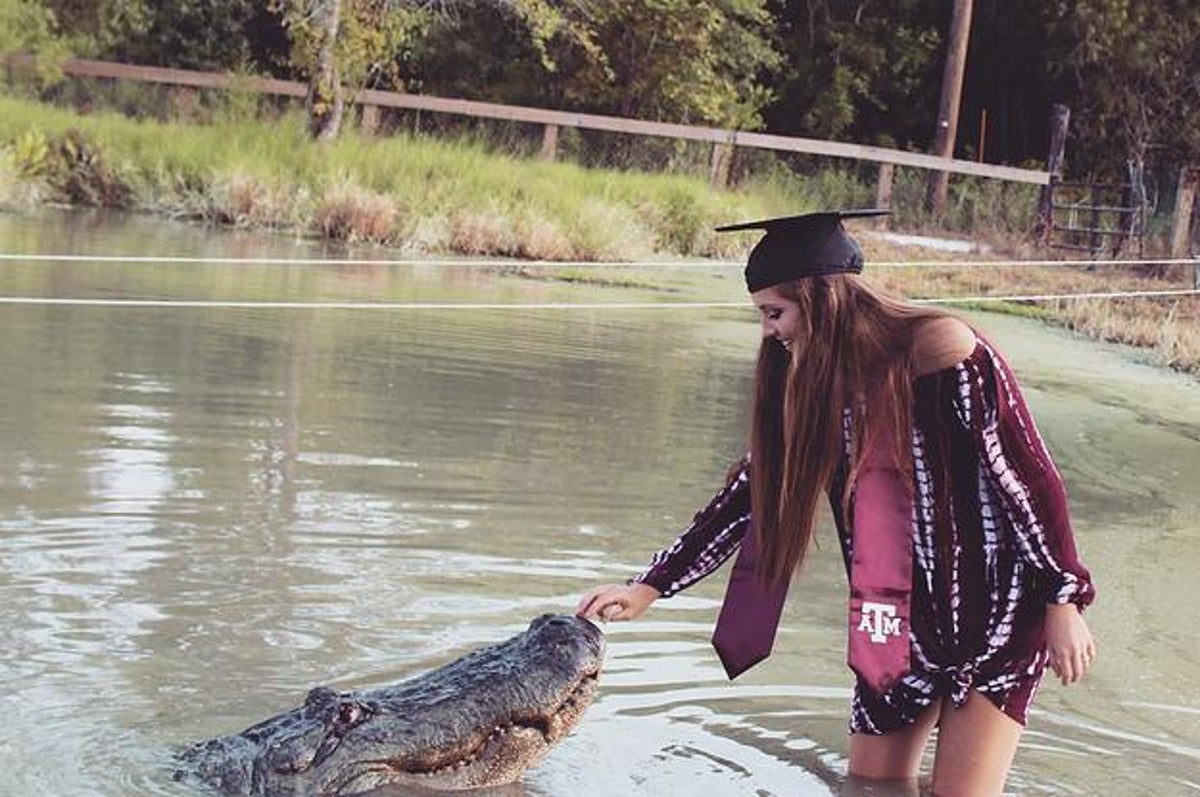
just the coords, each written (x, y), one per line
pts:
(854, 352)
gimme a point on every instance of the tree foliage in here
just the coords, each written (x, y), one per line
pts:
(676, 60)
(28, 27)
(1132, 69)
(24, 25)
(371, 39)
(200, 34)
(857, 70)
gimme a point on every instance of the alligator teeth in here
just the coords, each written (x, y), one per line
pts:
(579, 696)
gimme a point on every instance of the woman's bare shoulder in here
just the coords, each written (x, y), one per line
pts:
(940, 343)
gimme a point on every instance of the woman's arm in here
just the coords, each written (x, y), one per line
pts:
(714, 534)
(712, 537)
(1019, 468)
(1021, 472)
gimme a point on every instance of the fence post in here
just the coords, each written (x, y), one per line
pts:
(369, 121)
(883, 189)
(718, 166)
(1094, 220)
(183, 101)
(549, 142)
(1060, 117)
(1185, 204)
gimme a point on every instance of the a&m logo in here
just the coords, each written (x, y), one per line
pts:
(879, 620)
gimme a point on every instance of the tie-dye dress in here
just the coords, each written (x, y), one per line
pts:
(991, 540)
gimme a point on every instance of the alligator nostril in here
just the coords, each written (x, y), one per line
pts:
(320, 696)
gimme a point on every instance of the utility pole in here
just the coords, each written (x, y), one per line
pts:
(947, 121)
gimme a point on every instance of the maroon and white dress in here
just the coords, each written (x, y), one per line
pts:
(991, 546)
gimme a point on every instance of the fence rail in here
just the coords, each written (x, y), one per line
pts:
(720, 138)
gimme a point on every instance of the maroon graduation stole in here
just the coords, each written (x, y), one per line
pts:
(880, 574)
(750, 613)
(880, 587)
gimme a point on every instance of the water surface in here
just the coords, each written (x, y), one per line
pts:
(205, 511)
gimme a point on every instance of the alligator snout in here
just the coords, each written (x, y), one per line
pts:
(481, 720)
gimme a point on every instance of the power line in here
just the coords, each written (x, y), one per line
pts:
(575, 264)
(264, 305)
(291, 261)
(268, 305)
(1049, 297)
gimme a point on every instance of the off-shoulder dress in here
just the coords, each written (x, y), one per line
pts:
(991, 543)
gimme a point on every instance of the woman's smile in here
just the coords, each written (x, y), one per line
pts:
(780, 315)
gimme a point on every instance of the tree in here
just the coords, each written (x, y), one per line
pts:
(858, 71)
(677, 60)
(325, 102)
(99, 28)
(346, 43)
(26, 26)
(1130, 69)
(196, 34)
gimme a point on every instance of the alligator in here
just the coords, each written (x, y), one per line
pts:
(479, 721)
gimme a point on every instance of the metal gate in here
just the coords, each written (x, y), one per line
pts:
(1099, 218)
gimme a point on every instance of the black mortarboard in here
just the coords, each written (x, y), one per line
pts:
(810, 245)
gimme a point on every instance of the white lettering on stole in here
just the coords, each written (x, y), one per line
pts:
(880, 621)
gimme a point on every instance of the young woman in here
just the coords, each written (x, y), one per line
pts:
(964, 580)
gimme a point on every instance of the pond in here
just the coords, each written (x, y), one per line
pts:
(208, 508)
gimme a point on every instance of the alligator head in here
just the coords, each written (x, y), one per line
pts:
(478, 721)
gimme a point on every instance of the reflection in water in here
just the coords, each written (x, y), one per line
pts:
(205, 512)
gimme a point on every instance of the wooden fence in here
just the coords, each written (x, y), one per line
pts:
(723, 141)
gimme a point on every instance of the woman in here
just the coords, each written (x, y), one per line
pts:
(964, 581)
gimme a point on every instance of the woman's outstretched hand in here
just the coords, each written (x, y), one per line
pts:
(1068, 642)
(617, 601)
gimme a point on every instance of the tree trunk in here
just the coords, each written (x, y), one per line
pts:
(324, 102)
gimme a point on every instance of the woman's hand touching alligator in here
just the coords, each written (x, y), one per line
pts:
(616, 601)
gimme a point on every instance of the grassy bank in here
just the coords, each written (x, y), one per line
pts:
(1168, 328)
(425, 195)
(414, 193)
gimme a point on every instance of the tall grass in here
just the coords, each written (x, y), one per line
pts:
(401, 190)
(1168, 327)
(989, 210)
(248, 162)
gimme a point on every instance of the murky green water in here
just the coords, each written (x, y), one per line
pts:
(205, 511)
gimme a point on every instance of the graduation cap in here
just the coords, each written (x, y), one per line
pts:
(810, 245)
